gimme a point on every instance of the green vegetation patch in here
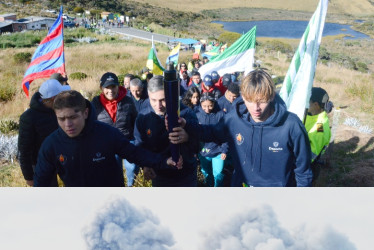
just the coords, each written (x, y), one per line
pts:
(8, 126)
(228, 37)
(22, 57)
(342, 59)
(116, 56)
(7, 91)
(276, 45)
(77, 76)
(21, 40)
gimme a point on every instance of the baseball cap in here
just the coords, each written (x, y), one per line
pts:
(319, 95)
(51, 88)
(215, 76)
(226, 79)
(208, 80)
(108, 79)
(58, 77)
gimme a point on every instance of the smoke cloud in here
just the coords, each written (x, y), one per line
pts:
(259, 229)
(119, 225)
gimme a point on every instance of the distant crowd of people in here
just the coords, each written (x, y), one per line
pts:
(234, 128)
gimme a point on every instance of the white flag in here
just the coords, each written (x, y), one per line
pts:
(238, 57)
(297, 85)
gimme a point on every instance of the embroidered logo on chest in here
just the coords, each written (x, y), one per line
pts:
(149, 132)
(239, 139)
(275, 147)
(319, 127)
(98, 157)
(62, 159)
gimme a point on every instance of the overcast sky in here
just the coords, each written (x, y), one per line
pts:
(183, 217)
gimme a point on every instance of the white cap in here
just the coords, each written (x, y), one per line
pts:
(51, 88)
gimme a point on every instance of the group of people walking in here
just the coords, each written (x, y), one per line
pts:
(237, 131)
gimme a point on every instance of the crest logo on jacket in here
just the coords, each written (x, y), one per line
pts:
(275, 147)
(62, 159)
(149, 132)
(98, 157)
(239, 139)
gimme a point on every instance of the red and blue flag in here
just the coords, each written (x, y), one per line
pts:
(49, 57)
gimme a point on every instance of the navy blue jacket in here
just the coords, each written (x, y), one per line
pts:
(89, 159)
(150, 133)
(224, 104)
(141, 103)
(125, 117)
(211, 149)
(275, 152)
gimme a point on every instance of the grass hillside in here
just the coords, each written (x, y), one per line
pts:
(356, 7)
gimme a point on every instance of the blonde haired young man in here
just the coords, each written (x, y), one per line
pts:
(269, 145)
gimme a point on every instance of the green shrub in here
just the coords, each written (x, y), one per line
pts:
(268, 64)
(78, 10)
(362, 67)
(116, 56)
(120, 79)
(324, 55)
(228, 37)
(5, 45)
(77, 76)
(276, 45)
(7, 91)
(22, 57)
(278, 79)
(8, 126)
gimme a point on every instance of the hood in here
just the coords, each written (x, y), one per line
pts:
(90, 119)
(279, 115)
(36, 103)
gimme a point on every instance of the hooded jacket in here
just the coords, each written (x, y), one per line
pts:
(89, 159)
(211, 149)
(35, 124)
(272, 153)
(150, 133)
(224, 104)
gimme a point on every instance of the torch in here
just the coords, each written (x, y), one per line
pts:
(171, 88)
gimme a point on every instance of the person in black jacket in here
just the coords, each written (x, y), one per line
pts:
(114, 107)
(150, 133)
(35, 124)
(83, 149)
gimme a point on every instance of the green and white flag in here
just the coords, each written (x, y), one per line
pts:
(297, 85)
(238, 57)
(153, 63)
